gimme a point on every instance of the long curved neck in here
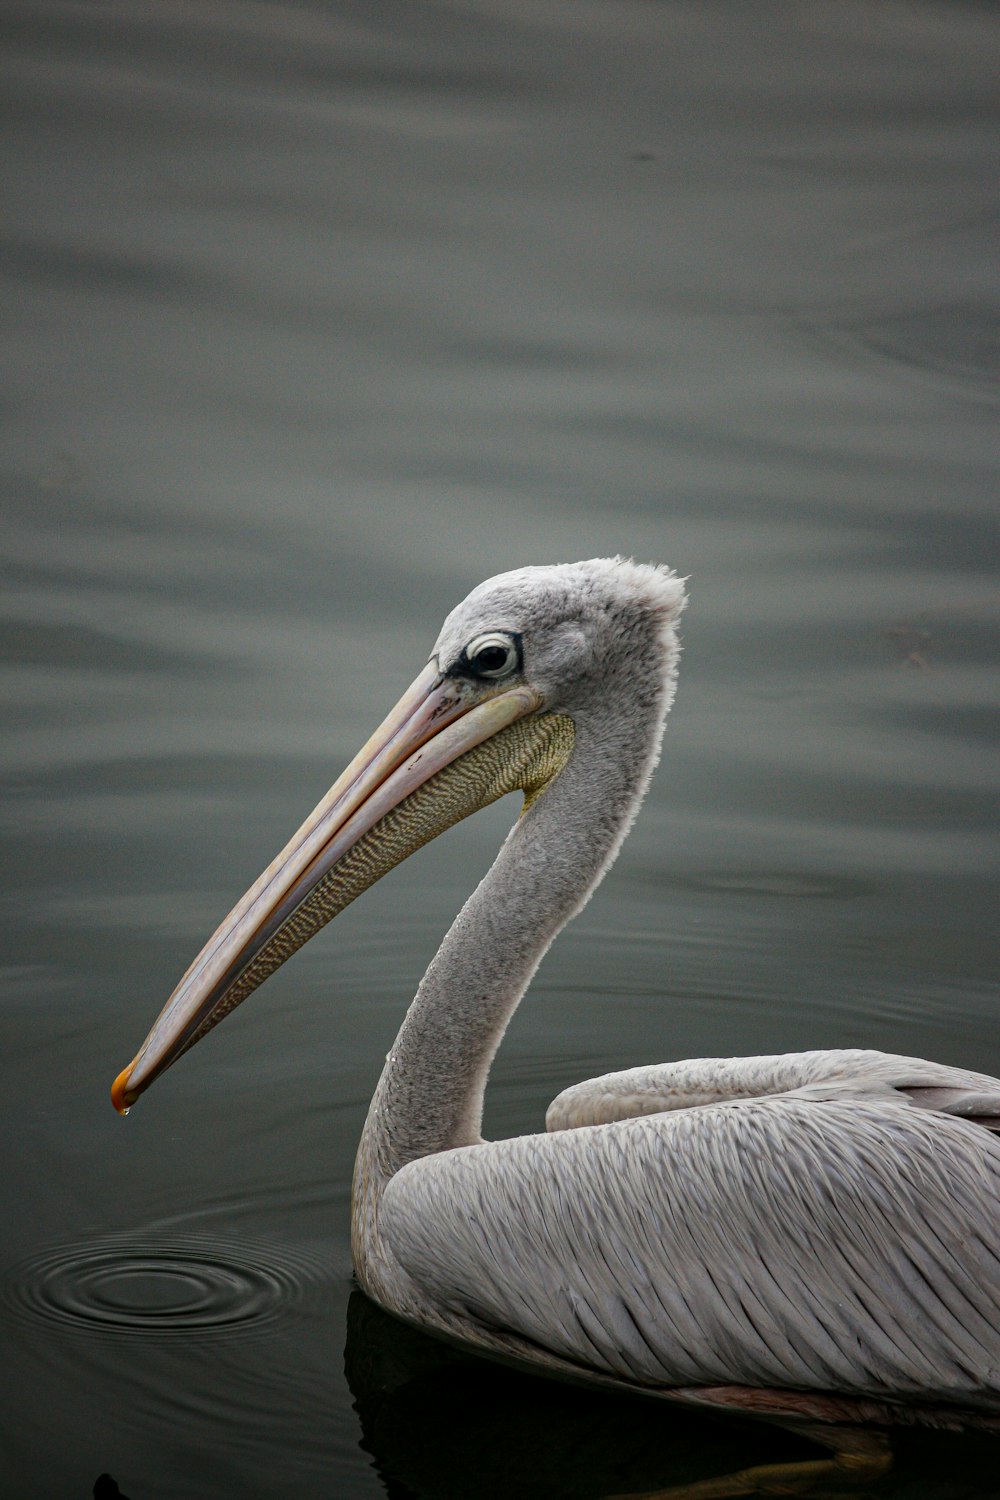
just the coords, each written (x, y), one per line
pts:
(429, 1098)
(430, 1095)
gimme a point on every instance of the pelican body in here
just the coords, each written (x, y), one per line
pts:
(813, 1233)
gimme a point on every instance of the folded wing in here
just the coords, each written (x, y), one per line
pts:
(831, 1239)
(713, 1080)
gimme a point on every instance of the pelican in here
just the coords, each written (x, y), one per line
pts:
(809, 1235)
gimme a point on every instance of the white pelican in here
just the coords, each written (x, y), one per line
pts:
(812, 1235)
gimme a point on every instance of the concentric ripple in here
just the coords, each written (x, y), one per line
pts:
(158, 1286)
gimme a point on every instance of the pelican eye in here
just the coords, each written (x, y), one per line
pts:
(493, 655)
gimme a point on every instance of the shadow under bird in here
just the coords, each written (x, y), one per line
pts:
(809, 1236)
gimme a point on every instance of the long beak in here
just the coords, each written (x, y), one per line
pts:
(447, 748)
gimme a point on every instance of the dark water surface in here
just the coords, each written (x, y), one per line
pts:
(316, 314)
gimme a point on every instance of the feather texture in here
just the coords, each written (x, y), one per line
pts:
(711, 1080)
(804, 1240)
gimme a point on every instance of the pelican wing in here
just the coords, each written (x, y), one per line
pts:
(711, 1080)
(835, 1243)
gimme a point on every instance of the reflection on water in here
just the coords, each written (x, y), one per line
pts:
(317, 314)
(106, 1488)
(441, 1424)
(438, 1423)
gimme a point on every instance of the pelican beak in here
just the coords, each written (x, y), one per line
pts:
(448, 747)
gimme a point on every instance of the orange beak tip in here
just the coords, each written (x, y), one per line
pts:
(120, 1097)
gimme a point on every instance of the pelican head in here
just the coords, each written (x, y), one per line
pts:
(520, 671)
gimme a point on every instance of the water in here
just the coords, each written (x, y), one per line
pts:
(316, 315)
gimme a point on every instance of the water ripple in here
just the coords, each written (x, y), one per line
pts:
(159, 1287)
